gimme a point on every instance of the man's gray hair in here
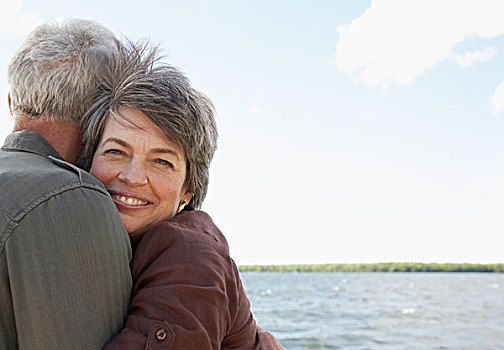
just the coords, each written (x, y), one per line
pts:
(53, 73)
(165, 96)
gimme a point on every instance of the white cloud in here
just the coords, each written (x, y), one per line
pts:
(470, 58)
(396, 41)
(497, 100)
(14, 20)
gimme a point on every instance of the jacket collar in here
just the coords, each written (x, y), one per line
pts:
(30, 141)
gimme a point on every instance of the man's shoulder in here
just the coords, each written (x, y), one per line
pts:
(28, 179)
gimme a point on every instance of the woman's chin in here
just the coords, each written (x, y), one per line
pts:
(134, 229)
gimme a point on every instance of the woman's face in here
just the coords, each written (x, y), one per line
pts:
(142, 169)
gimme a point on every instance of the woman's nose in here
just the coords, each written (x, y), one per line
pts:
(133, 174)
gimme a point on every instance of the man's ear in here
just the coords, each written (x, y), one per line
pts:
(10, 106)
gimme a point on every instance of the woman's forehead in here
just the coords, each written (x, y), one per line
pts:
(132, 124)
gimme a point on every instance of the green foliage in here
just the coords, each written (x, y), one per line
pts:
(377, 267)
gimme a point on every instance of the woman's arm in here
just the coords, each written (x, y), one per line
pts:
(187, 291)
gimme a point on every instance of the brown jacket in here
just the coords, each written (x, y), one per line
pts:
(187, 293)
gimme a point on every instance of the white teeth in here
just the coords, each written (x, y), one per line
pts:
(129, 200)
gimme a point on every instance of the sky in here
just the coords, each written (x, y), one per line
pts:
(350, 131)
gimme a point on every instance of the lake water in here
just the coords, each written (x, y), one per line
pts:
(380, 310)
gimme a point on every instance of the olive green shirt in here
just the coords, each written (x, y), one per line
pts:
(64, 254)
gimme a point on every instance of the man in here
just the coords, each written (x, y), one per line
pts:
(64, 276)
(64, 254)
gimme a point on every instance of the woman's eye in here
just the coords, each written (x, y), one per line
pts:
(114, 151)
(164, 162)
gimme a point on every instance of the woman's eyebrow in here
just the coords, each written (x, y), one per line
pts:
(166, 151)
(118, 141)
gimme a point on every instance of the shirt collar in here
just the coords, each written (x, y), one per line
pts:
(30, 141)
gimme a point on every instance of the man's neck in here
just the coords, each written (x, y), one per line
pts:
(64, 138)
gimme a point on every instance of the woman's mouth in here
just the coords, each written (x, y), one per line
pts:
(123, 200)
(129, 200)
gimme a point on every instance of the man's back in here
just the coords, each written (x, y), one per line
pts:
(64, 255)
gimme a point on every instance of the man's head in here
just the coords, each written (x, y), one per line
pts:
(53, 74)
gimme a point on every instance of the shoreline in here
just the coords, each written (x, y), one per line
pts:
(376, 267)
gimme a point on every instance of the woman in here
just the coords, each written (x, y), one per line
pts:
(150, 139)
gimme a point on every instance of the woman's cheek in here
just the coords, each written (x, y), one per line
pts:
(103, 171)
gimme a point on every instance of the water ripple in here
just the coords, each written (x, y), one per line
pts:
(380, 310)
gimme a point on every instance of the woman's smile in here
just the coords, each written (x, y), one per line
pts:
(127, 200)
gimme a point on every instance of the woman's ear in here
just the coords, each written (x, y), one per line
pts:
(188, 195)
(185, 200)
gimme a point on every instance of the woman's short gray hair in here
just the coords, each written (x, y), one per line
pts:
(165, 96)
(53, 72)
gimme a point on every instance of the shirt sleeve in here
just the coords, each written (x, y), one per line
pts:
(68, 267)
(187, 291)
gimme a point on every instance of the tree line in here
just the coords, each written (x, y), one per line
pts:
(375, 267)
